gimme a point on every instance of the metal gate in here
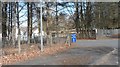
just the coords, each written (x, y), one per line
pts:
(86, 34)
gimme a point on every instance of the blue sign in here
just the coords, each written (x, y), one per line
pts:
(73, 37)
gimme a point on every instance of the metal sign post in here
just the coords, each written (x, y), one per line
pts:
(41, 25)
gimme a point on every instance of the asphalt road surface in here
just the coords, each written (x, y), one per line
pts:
(93, 43)
(88, 52)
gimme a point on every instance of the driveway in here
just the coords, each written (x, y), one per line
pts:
(87, 52)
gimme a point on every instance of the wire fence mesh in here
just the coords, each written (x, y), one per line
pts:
(49, 40)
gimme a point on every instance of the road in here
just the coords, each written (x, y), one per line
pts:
(93, 43)
(88, 52)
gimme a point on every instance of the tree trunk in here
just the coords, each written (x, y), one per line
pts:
(29, 7)
(88, 19)
(19, 47)
(0, 16)
(14, 20)
(56, 21)
(38, 18)
(82, 20)
(4, 21)
(11, 20)
(49, 35)
(1, 23)
(118, 15)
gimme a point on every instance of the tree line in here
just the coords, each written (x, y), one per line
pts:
(57, 16)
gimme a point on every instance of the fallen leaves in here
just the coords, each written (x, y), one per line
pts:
(32, 52)
(0, 61)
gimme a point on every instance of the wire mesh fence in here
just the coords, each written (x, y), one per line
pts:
(50, 40)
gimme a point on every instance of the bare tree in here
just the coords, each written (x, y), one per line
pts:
(4, 21)
(0, 17)
(18, 26)
(77, 17)
(29, 8)
(14, 21)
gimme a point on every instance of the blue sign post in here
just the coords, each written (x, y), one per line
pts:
(73, 37)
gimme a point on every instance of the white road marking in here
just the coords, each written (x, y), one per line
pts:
(117, 62)
(105, 58)
(115, 49)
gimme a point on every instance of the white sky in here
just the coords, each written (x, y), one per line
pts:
(25, 10)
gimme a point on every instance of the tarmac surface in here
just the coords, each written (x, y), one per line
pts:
(87, 52)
